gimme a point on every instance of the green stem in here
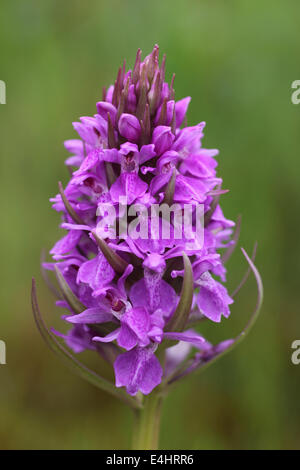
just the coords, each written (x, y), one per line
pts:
(147, 423)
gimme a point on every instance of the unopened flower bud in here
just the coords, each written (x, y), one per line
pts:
(129, 127)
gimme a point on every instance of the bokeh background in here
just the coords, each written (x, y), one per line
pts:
(237, 59)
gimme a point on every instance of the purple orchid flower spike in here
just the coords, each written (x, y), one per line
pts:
(143, 258)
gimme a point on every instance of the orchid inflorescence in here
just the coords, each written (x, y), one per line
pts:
(137, 301)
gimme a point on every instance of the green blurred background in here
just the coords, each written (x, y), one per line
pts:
(237, 59)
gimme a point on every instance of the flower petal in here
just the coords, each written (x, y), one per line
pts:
(138, 369)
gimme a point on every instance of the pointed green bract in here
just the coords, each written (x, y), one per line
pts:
(116, 262)
(170, 189)
(46, 278)
(208, 215)
(227, 254)
(180, 316)
(68, 206)
(110, 174)
(68, 295)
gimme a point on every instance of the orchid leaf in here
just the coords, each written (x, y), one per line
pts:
(197, 366)
(73, 363)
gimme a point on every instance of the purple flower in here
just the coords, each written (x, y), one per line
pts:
(133, 297)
